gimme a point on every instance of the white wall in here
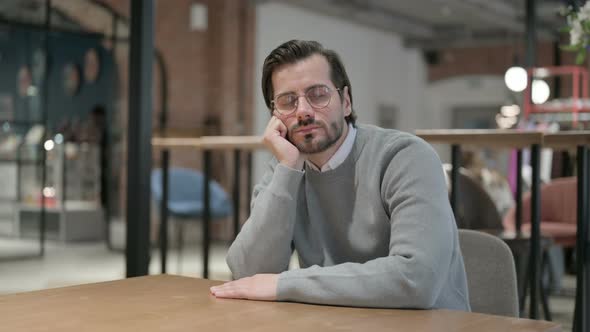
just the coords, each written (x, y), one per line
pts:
(380, 69)
(445, 95)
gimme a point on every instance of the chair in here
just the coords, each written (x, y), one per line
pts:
(475, 208)
(558, 212)
(185, 198)
(491, 275)
(558, 222)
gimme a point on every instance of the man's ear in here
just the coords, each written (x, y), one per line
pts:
(346, 101)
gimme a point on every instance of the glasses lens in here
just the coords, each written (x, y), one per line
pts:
(318, 96)
(286, 103)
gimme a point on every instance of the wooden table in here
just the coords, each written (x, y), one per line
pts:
(497, 138)
(206, 144)
(581, 141)
(511, 139)
(517, 139)
(172, 303)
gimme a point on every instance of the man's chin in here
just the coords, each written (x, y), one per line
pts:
(311, 147)
(311, 143)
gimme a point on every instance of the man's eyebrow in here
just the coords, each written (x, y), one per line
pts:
(284, 94)
(306, 89)
(314, 86)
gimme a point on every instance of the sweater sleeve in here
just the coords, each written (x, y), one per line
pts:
(264, 244)
(420, 249)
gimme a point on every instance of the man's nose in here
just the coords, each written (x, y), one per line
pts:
(304, 109)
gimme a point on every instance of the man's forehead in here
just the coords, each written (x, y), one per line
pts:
(314, 69)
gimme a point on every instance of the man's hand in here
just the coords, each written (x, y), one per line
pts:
(258, 287)
(275, 138)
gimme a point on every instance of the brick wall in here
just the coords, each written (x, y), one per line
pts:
(492, 60)
(209, 72)
(206, 69)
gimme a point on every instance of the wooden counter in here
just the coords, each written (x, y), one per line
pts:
(211, 142)
(482, 137)
(566, 139)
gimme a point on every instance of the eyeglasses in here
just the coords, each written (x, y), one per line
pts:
(317, 96)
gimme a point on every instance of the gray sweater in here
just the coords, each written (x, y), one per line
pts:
(377, 231)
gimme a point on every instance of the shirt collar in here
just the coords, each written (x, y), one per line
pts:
(340, 155)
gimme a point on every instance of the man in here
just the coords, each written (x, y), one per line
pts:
(366, 208)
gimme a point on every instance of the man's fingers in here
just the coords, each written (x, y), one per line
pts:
(280, 126)
(258, 287)
(229, 294)
(228, 290)
(227, 285)
(276, 125)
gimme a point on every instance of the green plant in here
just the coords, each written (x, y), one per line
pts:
(578, 27)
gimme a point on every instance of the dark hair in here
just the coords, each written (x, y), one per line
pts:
(297, 50)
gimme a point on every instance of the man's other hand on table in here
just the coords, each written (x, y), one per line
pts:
(261, 287)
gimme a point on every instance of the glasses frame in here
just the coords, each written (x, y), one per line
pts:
(284, 113)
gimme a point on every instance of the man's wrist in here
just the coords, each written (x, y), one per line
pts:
(296, 165)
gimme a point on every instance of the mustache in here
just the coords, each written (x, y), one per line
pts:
(305, 123)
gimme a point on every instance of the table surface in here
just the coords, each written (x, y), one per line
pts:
(476, 137)
(567, 139)
(211, 142)
(173, 303)
(482, 137)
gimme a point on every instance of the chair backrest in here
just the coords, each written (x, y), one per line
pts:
(185, 192)
(491, 275)
(558, 204)
(183, 184)
(475, 208)
(559, 200)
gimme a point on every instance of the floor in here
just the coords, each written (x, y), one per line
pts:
(63, 264)
(77, 263)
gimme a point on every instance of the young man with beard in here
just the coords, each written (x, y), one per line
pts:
(366, 208)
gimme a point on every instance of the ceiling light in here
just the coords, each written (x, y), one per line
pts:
(49, 192)
(59, 138)
(541, 91)
(510, 110)
(49, 145)
(516, 79)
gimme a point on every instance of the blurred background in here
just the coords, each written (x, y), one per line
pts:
(421, 64)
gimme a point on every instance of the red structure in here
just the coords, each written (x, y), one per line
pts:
(579, 95)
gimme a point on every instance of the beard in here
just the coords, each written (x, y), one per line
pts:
(311, 143)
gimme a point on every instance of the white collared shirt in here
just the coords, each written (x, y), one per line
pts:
(340, 155)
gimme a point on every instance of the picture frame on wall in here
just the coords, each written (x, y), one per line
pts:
(24, 81)
(71, 74)
(91, 66)
(6, 107)
(39, 65)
